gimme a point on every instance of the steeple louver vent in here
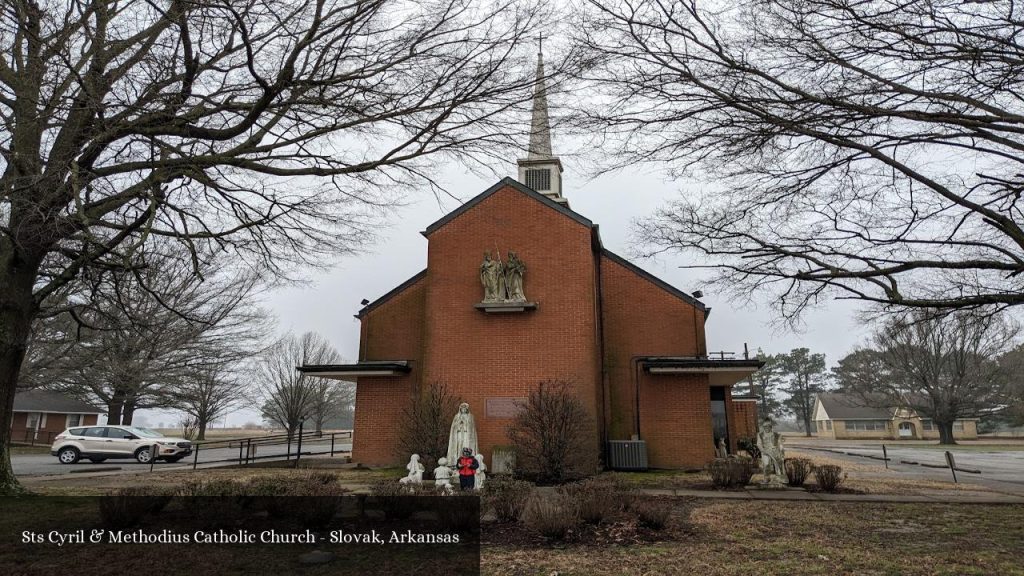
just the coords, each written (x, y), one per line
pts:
(541, 170)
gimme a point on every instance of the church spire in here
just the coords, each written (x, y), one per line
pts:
(541, 169)
(540, 129)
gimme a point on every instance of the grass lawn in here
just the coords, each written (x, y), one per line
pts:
(37, 449)
(716, 537)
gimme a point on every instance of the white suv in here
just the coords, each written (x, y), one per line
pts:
(97, 443)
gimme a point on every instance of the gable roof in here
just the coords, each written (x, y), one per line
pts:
(503, 183)
(841, 406)
(656, 281)
(52, 402)
(391, 293)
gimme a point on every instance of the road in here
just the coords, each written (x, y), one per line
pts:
(1001, 468)
(44, 464)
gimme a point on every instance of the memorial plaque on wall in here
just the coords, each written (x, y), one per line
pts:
(503, 407)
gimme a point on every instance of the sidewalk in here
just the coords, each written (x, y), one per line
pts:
(935, 497)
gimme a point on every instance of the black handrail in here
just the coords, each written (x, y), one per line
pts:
(248, 447)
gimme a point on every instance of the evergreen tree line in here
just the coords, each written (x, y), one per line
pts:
(945, 366)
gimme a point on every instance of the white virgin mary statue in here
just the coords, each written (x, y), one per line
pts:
(462, 435)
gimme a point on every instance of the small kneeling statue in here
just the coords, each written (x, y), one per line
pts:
(415, 469)
(443, 475)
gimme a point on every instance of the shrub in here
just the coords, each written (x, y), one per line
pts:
(425, 424)
(551, 435)
(749, 445)
(506, 497)
(458, 512)
(314, 503)
(397, 501)
(730, 472)
(553, 516)
(797, 470)
(215, 502)
(829, 477)
(127, 506)
(651, 514)
(596, 499)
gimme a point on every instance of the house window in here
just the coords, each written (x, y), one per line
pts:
(539, 179)
(867, 425)
(73, 420)
(32, 422)
(958, 426)
(828, 424)
(927, 425)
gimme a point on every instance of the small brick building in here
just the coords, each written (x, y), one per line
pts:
(40, 415)
(632, 345)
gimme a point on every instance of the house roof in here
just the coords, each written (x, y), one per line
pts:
(503, 183)
(841, 406)
(52, 402)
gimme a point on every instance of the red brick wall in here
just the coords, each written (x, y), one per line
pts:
(643, 319)
(391, 331)
(484, 355)
(55, 424)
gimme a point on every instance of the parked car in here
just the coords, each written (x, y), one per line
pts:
(98, 443)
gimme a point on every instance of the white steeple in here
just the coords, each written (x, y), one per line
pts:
(541, 170)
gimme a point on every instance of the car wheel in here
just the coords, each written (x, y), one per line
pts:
(97, 460)
(68, 455)
(142, 455)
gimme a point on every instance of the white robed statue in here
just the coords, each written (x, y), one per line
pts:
(462, 434)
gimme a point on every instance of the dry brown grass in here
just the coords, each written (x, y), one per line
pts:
(793, 539)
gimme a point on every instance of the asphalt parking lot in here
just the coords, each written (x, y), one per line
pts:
(45, 464)
(1001, 465)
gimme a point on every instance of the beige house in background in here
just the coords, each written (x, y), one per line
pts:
(847, 417)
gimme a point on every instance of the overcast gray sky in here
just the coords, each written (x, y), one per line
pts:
(327, 303)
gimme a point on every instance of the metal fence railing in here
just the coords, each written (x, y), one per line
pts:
(249, 448)
(33, 437)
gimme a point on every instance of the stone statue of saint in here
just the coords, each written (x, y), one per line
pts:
(415, 469)
(720, 450)
(492, 277)
(462, 434)
(514, 272)
(772, 455)
(481, 472)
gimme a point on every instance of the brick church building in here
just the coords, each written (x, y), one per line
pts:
(632, 345)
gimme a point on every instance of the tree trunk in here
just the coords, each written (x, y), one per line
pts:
(202, 429)
(128, 413)
(945, 433)
(17, 310)
(114, 408)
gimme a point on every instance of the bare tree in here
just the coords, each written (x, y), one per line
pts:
(551, 435)
(269, 128)
(333, 400)
(943, 366)
(142, 344)
(284, 395)
(868, 150)
(208, 394)
(426, 424)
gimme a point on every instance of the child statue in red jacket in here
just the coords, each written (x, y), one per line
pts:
(467, 466)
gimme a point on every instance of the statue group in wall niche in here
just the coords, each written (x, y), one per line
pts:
(503, 282)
